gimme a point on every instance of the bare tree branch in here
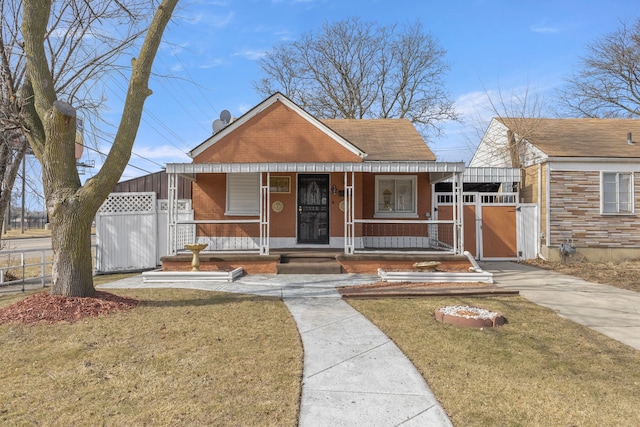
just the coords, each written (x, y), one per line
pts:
(356, 69)
(607, 84)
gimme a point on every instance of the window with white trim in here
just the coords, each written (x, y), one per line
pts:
(616, 193)
(243, 194)
(396, 196)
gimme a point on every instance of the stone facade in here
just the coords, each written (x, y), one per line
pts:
(575, 213)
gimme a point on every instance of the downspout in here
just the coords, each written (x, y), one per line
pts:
(548, 206)
(474, 264)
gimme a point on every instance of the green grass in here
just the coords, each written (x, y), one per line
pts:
(537, 370)
(183, 357)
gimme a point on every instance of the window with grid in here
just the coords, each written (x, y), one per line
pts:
(396, 196)
(617, 192)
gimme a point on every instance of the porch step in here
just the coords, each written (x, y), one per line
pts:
(308, 264)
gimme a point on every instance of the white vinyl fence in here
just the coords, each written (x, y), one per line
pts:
(528, 229)
(132, 231)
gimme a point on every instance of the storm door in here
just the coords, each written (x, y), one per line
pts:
(313, 209)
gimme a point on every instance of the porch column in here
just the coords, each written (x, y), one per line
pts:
(265, 214)
(458, 214)
(173, 213)
(349, 226)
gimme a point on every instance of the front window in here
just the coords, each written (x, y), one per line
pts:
(243, 194)
(396, 196)
(617, 192)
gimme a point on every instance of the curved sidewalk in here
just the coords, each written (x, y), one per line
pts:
(609, 310)
(353, 374)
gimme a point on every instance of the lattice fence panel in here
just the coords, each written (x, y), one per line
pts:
(118, 203)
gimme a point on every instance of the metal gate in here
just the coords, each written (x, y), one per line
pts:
(132, 230)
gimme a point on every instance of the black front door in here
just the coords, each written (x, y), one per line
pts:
(313, 209)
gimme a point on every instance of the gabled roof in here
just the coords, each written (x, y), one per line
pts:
(276, 97)
(383, 139)
(580, 137)
(368, 139)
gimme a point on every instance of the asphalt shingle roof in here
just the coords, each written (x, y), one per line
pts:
(384, 139)
(581, 137)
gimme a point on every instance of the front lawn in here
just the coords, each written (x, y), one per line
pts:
(537, 370)
(182, 357)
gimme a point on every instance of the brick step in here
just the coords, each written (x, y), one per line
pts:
(306, 266)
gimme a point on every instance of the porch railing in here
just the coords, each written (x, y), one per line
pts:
(220, 235)
(387, 235)
(404, 235)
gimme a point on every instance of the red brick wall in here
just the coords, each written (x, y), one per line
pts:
(276, 134)
(575, 213)
(424, 194)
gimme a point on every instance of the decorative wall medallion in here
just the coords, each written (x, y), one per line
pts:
(341, 206)
(277, 206)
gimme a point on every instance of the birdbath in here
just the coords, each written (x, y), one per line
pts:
(426, 265)
(195, 248)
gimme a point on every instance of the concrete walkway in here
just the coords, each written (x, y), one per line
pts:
(611, 311)
(353, 374)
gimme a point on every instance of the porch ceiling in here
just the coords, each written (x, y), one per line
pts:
(377, 167)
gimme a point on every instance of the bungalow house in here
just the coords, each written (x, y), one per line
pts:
(581, 173)
(279, 178)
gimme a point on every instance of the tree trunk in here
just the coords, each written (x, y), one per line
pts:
(72, 271)
(52, 126)
(9, 170)
(70, 214)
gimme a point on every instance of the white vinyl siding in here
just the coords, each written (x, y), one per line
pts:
(243, 194)
(617, 193)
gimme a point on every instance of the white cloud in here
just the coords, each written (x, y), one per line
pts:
(471, 103)
(210, 19)
(213, 63)
(162, 152)
(250, 54)
(544, 28)
(243, 108)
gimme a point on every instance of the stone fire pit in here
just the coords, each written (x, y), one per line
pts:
(469, 316)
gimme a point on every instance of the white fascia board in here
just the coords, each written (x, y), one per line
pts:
(375, 167)
(588, 164)
(265, 104)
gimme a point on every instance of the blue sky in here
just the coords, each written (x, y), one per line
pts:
(211, 52)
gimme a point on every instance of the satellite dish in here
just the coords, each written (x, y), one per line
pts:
(218, 125)
(225, 116)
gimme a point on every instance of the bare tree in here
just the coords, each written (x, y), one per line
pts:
(354, 69)
(608, 82)
(521, 112)
(51, 129)
(81, 50)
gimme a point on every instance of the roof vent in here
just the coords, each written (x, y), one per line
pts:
(630, 139)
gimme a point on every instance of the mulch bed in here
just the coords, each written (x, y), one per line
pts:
(46, 308)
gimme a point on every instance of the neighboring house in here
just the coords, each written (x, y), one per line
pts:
(277, 177)
(584, 176)
(156, 182)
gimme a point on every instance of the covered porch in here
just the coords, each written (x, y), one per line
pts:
(355, 208)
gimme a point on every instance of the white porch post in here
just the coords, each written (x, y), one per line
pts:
(458, 214)
(349, 226)
(173, 213)
(265, 211)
